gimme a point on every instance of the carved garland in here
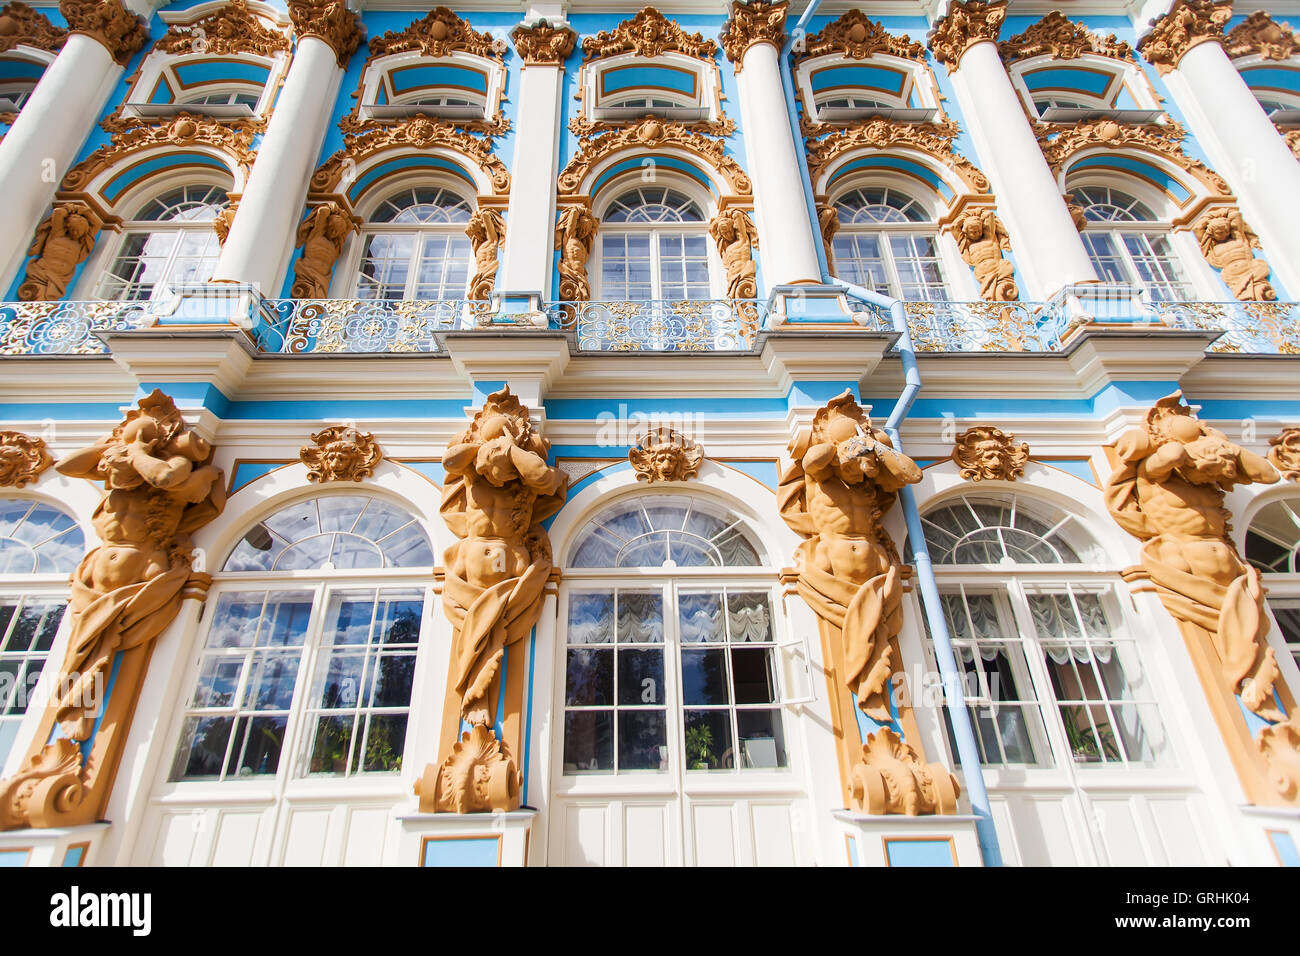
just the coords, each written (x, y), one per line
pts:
(416, 132)
(232, 29)
(857, 37)
(1188, 24)
(543, 44)
(22, 459)
(20, 25)
(329, 21)
(109, 23)
(648, 34)
(1057, 36)
(751, 23)
(1261, 35)
(651, 133)
(1284, 453)
(964, 25)
(935, 139)
(1060, 141)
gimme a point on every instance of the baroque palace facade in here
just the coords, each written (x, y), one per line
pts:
(579, 433)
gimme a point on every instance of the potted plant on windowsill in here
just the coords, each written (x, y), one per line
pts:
(699, 747)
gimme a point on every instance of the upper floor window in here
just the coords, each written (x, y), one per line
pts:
(1053, 672)
(674, 86)
(40, 546)
(1276, 86)
(1129, 244)
(1086, 88)
(169, 241)
(304, 664)
(19, 73)
(654, 245)
(1273, 546)
(414, 247)
(888, 242)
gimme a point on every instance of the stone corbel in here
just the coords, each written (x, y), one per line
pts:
(62, 242)
(22, 459)
(321, 235)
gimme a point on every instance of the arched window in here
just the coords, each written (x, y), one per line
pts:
(670, 644)
(888, 242)
(1128, 243)
(1053, 673)
(169, 241)
(40, 546)
(1273, 546)
(654, 245)
(414, 247)
(307, 667)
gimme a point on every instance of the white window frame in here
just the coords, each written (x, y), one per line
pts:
(1130, 78)
(705, 106)
(158, 66)
(485, 105)
(920, 83)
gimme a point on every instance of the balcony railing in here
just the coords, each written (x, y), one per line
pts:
(661, 325)
(364, 326)
(65, 328)
(984, 326)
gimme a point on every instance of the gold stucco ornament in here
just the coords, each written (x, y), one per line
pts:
(499, 489)
(737, 237)
(964, 25)
(1228, 244)
(321, 236)
(664, 454)
(22, 459)
(757, 21)
(1169, 492)
(892, 778)
(985, 453)
(160, 487)
(62, 242)
(648, 34)
(981, 239)
(487, 231)
(543, 44)
(1188, 23)
(1284, 453)
(575, 235)
(341, 453)
(329, 21)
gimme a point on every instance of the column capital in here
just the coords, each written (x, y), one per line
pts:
(109, 23)
(543, 44)
(751, 24)
(1188, 23)
(964, 25)
(330, 22)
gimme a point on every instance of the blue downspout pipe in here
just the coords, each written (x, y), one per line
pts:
(954, 691)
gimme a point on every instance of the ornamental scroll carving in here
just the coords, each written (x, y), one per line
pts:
(981, 239)
(223, 220)
(543, 44)
(1228, 244)
(487, 232)
(878, 133)
(160, 487)
(232, 29)
(651, 133)
(985, 453)
(340, 453)
(20, 25)
(1188, 23)
(575, 235)
(321, 236)
(417, 132)
(844, 477)
(499, 489)
(1261, 35)
(665, 454)
(438, 34)
(857, 37)
(892, 778)
(1169, 493)
(109, 23)
(828, 222)
(62, 242)
(1059, 37)
(329, 21)
(22, 459)
(737, 237)
(1060, 141)
(962, 27)
(756, 22)
(648, 34)
(1284, 453)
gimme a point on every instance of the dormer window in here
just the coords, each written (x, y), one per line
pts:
(673, 86)
(404, 84)
(889, 86)
(223, 88)
(1087, 88)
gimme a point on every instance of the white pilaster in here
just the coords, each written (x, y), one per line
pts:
(786, 241)
(40, 147)
(530, 217)
(1044, 240)
(1245, 148)
(260, 243)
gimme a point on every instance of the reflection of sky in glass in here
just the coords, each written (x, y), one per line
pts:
(647, 532)
(36, 538)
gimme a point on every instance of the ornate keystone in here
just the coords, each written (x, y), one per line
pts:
(985, 453)
(341, 453)
(1284, 454)
(664, 454)
(22, 459)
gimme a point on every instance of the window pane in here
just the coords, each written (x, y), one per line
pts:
(588, 741)
(589, 679)
(762, 739)
(707, 739)
(640, 676)
(753, 679)
(642, 740)
(704, 677)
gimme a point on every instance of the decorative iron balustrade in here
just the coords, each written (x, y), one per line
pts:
(984, 326)
(661, 325)
(364, 326)
(1252, 328)
(65, 328)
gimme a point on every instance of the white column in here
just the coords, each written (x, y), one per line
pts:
(1246, 149)
(1044, 240)
(261, 239)
(787, 244)
(40, 147)
(530, 217)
